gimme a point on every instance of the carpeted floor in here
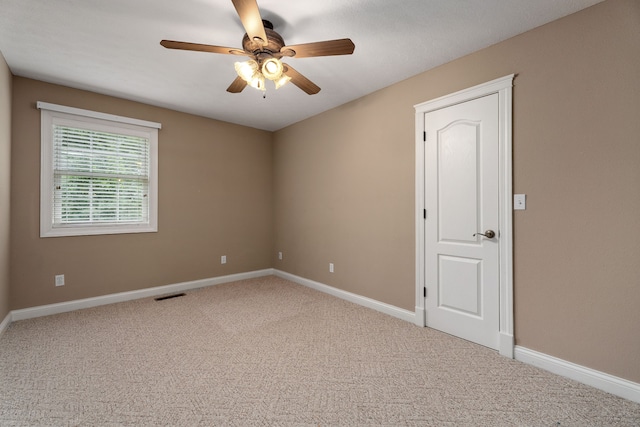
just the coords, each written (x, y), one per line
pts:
(269, 352)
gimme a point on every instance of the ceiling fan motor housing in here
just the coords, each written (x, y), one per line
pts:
(275, 42)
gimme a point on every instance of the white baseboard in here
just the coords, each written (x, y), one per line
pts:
(382, 307)
(609, 383)
(5, 323)
(63, 307)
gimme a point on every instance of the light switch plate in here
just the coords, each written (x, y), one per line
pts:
(519, 202)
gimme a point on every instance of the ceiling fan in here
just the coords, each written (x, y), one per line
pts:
(265, 49)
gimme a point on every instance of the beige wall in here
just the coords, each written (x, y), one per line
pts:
(215, 198)
(344, 186)
(5, 183)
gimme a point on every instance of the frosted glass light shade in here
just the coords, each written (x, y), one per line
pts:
(272, 69)
(283, 80)
(257, 82)
(247, 70)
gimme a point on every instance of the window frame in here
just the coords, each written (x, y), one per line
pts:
(49, 113)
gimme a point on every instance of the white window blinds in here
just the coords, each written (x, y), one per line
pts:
(99, 177)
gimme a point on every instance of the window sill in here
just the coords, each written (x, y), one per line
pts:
(96, 230)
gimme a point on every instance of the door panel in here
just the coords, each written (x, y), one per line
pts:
(461, 196)
(460, 285)
(457, 181)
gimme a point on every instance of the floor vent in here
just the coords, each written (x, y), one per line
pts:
(170, 296)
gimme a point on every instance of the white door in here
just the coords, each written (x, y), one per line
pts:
(462, 200)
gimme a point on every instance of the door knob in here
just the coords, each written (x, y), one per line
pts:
(489, 234)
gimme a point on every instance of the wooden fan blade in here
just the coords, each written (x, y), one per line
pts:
(237, 86)
(251, 21)
(326, 48)
(172, 44)
(301, 81)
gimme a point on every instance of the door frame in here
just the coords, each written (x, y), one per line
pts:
(504, 88)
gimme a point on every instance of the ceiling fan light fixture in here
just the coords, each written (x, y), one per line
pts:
(272, 69)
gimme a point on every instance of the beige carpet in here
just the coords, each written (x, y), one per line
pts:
(269, 352)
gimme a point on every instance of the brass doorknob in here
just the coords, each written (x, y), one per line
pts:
(489, 234)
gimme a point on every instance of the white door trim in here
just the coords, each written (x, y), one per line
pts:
(503, 87)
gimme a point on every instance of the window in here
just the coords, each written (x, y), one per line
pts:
(98, 173)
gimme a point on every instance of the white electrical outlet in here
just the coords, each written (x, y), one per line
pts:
(280, 256)
(223, 259)
(59, 279)
(330, 267)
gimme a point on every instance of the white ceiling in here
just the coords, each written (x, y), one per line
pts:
(112, 47)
